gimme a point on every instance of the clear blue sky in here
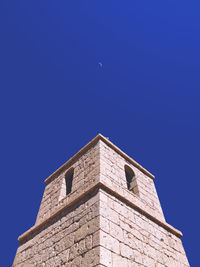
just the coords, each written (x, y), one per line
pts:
(55, 97)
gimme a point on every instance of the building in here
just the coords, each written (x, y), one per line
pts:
(100, 209)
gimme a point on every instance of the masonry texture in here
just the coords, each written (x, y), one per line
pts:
(110, 216)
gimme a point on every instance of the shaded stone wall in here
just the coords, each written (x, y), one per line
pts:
(86, 171)
(67, 240)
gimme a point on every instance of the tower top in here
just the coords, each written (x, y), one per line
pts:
(100, 208)
(90, 144)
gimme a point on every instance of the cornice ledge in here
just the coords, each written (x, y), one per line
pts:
(91, 189)
(142, 210)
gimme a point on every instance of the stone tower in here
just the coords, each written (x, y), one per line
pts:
(100, 209)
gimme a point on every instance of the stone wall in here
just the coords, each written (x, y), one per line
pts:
(86, 171)
(132, 239)
(69, 239)
(112, 171)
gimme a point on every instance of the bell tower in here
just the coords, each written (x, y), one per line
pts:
(100, 209)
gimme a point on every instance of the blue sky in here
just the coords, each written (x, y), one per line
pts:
(55, 97)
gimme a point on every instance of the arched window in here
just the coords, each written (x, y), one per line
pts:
(129, 176)
(68, 180)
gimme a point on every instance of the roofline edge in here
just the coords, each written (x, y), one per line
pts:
(91, 143)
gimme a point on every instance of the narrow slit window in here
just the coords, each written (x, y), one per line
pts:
(68, 180)
(130, 175)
